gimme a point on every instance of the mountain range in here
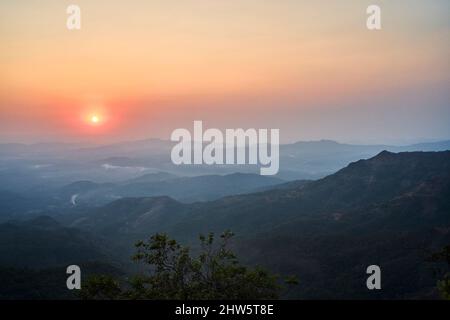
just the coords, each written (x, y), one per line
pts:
(391, 210)
(24, 168)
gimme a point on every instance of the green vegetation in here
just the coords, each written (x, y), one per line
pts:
(443, 284)
(174, 274)
(391, 210)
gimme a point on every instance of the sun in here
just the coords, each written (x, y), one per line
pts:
(95, 119)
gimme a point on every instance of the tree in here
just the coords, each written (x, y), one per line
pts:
(174, 274)
(101, 287)
(443, 284)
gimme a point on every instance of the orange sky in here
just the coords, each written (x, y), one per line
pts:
(148, 67)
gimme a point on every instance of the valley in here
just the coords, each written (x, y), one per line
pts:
(390, 210)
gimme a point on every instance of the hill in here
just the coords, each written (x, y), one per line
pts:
(42, 242)
(185, 189)
(391, 210)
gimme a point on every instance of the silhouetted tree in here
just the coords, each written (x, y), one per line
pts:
(443, 284)
(174, 274)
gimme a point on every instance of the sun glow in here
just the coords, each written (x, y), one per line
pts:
(95, 119)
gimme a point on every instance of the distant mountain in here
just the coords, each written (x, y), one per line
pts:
(316, 159)
(200, 188)
(152, 177)
(186, 189)
(65, 163)
(391, 210)
(428, 146)
(139, 148)
(359, 184)
(82, 186)
(39, 150)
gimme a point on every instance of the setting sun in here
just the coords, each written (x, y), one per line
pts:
(95, 119)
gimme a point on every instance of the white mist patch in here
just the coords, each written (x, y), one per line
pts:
(40, 166)
(108, 166)
(73, 199)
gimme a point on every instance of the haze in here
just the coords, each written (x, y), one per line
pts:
(145, 68)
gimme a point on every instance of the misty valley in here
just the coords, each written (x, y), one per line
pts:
(331, 211)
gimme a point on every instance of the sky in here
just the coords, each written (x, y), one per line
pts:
(144, 68)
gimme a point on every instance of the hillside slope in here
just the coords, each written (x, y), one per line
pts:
(391, 210)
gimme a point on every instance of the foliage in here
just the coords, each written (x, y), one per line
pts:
(102, 287)
(443, 285)
(174, 274)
